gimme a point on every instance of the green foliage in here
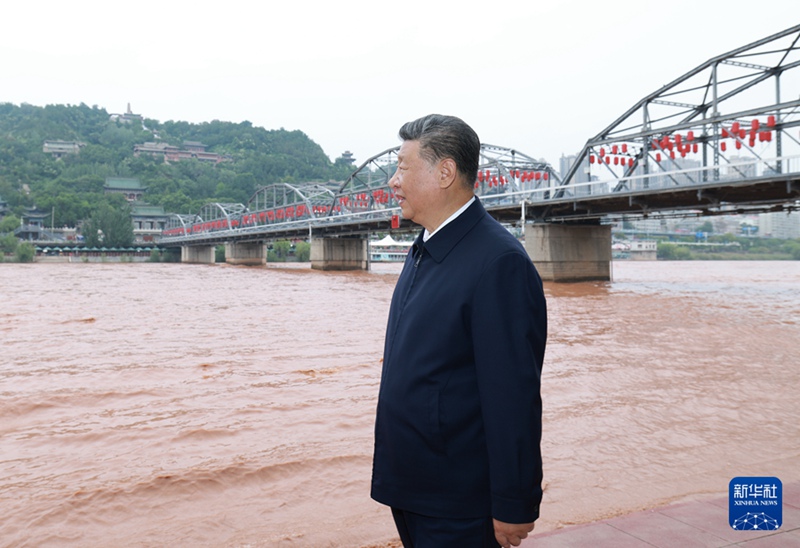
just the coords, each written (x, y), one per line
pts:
(302, 252)
(793, 249)
(8, 243)
(219, 254)
(706, 227)
(281, 249)
(9, 223)
(25, 253)
(673, 252)
(109, 226)
(73, 184)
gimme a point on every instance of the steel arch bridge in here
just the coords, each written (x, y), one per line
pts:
(729, 119)
(363, 197)
(720, 139)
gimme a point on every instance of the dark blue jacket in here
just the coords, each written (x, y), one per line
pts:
(458, 424)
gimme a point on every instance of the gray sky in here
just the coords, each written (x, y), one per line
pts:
(540, 77)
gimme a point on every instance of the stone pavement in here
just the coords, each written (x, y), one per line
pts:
(702, 523)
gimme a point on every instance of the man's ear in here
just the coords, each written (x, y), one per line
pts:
(447, 172)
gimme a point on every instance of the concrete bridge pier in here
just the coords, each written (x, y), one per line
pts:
(339, 254)
(249, 254)
(201, 254)
(570, 253)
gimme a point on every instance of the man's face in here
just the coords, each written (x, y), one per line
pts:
(415, 184)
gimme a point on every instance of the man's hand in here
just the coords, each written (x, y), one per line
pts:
(511, 534)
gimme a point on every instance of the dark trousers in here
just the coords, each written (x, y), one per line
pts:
(418, 531)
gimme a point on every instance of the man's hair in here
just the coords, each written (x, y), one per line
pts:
(443, 137)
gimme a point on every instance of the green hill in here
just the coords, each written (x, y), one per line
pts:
(102, 146)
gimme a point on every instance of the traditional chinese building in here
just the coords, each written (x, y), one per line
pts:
(59, 149)
(131, 188)
(192, 150)
(148, 222)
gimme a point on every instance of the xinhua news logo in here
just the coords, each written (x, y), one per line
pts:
(755, 503)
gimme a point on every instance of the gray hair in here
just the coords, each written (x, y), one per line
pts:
(443, 137)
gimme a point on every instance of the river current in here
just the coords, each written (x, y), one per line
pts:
(185, 405)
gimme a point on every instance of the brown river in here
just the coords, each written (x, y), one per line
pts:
(149, 405)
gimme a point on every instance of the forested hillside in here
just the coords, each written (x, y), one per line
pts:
(73, 185)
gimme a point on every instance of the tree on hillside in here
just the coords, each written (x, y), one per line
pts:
(109, 227)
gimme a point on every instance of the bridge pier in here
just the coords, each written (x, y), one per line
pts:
(570, 253)
(201, 254)
(249, 254)
(339, 254)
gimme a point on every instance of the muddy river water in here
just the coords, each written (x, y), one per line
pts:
(188, 405)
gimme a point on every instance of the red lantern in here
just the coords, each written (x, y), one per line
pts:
(630, 162)
(678, 140)
(771, 120)
(690, 136)
(591, 158)
(754, 124)
(602, 152)
(624, 148)
(725, 133)
(735, 127)
(614, 149)
(545, 176)
(694, 148)
(616, 160)
(658, 157)
(608, 160)
(738, 145)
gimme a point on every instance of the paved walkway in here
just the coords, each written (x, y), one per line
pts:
(687, 525)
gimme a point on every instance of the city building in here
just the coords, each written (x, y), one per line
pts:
(783, 225)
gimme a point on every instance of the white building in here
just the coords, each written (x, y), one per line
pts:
(783, 225)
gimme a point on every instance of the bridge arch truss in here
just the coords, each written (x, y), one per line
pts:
(732, 117)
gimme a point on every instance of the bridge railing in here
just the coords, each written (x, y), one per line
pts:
(739, 170)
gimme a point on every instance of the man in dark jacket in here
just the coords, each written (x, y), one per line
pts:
(458, 425)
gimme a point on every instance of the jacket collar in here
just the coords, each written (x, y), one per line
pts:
(441, 243)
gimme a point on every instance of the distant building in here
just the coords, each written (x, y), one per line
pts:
(347, 157)
(194, 146)
(192, 150)
(643, 250)
(783, 225)
(33, 225)
(128, 117)
(131, 188)
(148, 222)
(59, 149)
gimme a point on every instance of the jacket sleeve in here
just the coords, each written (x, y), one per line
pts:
(509, 323)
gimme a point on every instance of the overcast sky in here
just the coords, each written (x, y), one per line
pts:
(540, 77)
